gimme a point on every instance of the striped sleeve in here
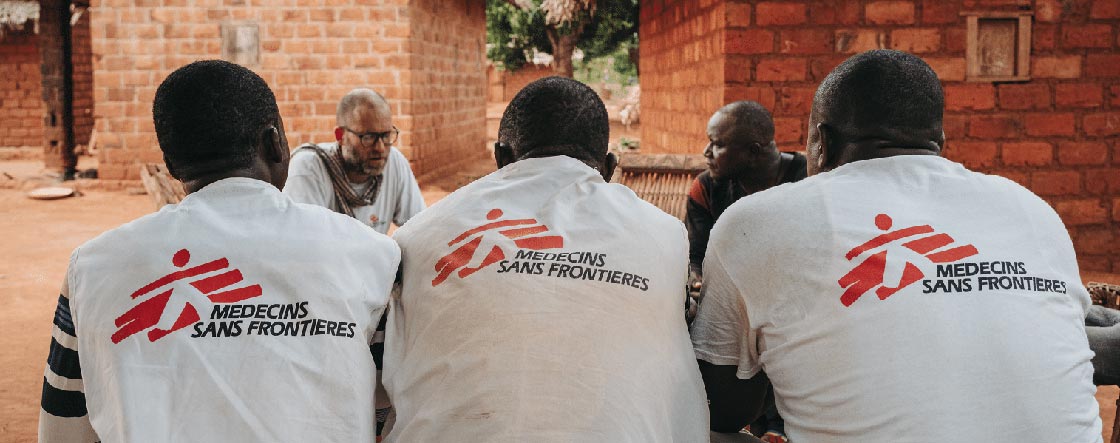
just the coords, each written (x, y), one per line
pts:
(63, 416)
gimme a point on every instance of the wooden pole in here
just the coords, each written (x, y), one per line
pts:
(58, 86)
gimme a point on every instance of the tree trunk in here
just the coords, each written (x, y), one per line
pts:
(562, 48)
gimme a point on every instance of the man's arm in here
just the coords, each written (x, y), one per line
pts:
(727, 352)
(699, 221)
(732, 402)
(63, 416)
(411, 200)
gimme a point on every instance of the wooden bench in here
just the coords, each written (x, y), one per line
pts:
(661, 179)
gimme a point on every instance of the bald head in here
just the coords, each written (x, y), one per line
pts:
(356, 98)
(751, 122)
(876, 104)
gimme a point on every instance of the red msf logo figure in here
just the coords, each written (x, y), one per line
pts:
(869, 274)
(149, 312)
(521, 232)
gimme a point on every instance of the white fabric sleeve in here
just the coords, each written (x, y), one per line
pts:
(308, 181)
(722, 333)
(411, 201)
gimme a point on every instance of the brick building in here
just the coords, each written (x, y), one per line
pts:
(425, 56)
(1055, 133)
(21, 101)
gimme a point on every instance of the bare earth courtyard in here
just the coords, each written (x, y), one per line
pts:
(36, 238)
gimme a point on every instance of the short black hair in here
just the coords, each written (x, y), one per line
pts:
(882, 88)
(751, 119)
(556, 116)
(209, 116)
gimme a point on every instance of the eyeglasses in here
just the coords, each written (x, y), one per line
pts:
(369, 139)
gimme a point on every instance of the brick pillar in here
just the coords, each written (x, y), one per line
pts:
(58, 86)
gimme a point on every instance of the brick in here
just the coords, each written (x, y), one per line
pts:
(820, 67)
(1044, 37)
(969, 96)
(806, 41)
(1087, 36)
(1116, 209)
(1049, 124)
(973, 155)
(764, 96)
(1094, 241)
(851, 41)
(737, 69)
(889, 12)
(948, 69)
(1102, 181)
(1102, 65)
(1082, 212)
(737, 14)
(1101, 124)
(954, 126)
(789, 69)
(1027, 154)
(916, 41)
(1056, 183)
(748, 41)
(1024, 96)
(955, 40)
(1105, 9)
(1056, 67)
(993, 126)
(774, 13)
(789, 130)
(794, 101)
(1022, 178)
(828, 12)
(1079, 95)
(1082, 153)
(940, 12)
(1047, 11)
(1114, 95)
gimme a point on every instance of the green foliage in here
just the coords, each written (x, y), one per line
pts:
(512, 33)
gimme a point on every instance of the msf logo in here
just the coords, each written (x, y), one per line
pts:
(154, 312)
(484, 245)
(871, 272)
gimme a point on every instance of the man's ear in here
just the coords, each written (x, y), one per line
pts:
(609, 164)
(338, 133)
(273, 147)
(170, 169)
(825, 160)
(503, 154)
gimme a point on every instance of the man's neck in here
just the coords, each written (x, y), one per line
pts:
(195, 184)
(757, 179)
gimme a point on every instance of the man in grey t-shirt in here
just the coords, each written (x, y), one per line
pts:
(360, 174)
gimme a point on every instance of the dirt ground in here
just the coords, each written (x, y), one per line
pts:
(36, 238)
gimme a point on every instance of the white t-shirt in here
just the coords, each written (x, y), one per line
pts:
(270, 321)
(397, 200)
(541, 304)
(982, 340)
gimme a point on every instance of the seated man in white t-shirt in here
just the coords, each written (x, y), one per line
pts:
(895, 295)
(361, 174)
(224, 317)
(542, 303)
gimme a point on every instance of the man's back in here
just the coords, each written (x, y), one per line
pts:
(236, 315)
(894, 299)
(541, 304)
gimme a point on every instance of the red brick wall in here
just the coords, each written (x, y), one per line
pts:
(20, 84)
(505, 84)
(21, 103)
(682, 70)
(448, 87)
(1056, 134)
(311, 54)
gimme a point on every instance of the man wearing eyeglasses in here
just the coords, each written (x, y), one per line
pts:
(361, 174)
